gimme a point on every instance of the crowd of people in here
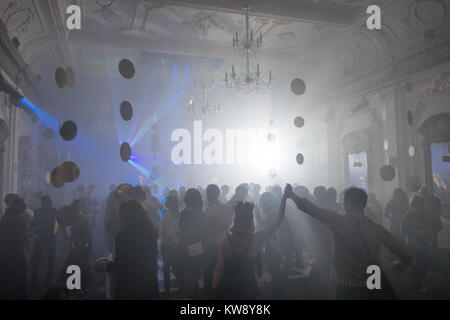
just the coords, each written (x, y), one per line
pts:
(215, 245)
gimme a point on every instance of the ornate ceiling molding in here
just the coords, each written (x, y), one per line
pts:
(436, 128)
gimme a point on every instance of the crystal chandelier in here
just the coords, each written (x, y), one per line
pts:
(205, 84)
(248, 81)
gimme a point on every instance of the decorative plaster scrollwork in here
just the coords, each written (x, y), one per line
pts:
(436, 128)
(441, 85)
(426, 12)
(203, 24)
(355, 142)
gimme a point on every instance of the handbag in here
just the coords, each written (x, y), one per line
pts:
(387, 291)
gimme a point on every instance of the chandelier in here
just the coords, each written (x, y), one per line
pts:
(205, 84)
(248, 80)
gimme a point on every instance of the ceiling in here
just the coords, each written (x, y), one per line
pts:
(301, 31)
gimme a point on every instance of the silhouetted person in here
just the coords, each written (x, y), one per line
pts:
(224, 191)
(395, 210)
(323, 248)
(240, 195)
(278, 247)
(192, 229)
(13, 265)
(43, 226)
(416, 227)
(433, 210)
(154, 207)
(218, 220)
(255, 194)
(374, 205)
(234, 275)
(169, 231)
(331, 200)
(79, 243)
(357, 242)
(135, 261)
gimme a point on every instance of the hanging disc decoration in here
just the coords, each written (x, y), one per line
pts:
(70, 77)
(298, 86)
(69, 171)
(60, 78)
(126, 111)
(299, 158)
(68, 130)
(410, 117)
(299, 122)
(55, 179)
(387, 173)
(125, 152)
(126, 68)
(48, 133)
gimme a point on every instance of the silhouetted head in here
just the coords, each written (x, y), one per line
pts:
(225, 189)
(424, 192)
(320, 193)
(243, 222)
(137, 193)
(133, 215)
(212, 193)
(172, 203)
(173, 193)
(268, 203)
(277, 191)
(301, 191)
(193, 200)
(9, 198)
(399, 195)
(241, 193)
(332, 195)
(355, 200)
(18, 206)
(46, 201)
(246, 186)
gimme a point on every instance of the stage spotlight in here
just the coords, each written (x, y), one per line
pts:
(299, 122)
(387, 173)
(68, 130)
(298, 86)
(125, 151)
(126, 111)
(126, 68)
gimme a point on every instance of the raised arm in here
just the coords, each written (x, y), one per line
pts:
(328, 217)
